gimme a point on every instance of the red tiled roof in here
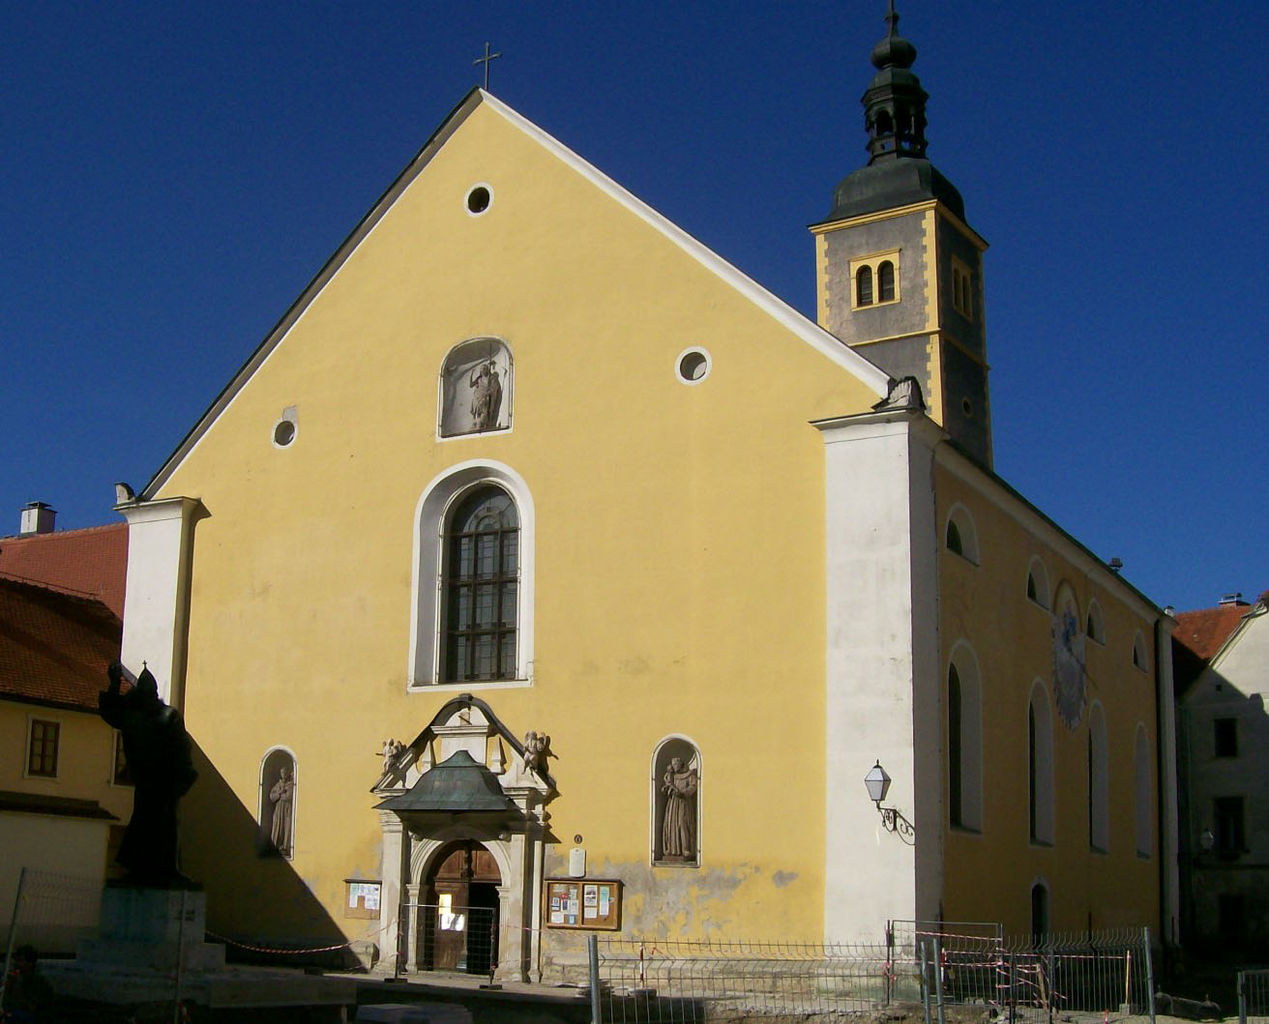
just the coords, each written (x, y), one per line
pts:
(1204, 631)
(54, 647)
(90, 563)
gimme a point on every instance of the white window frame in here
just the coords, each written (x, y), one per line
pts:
(426, 602)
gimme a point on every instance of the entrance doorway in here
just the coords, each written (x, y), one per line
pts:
(459, 919)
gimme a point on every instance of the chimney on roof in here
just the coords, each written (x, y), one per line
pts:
(37, 517)
(1232, 599)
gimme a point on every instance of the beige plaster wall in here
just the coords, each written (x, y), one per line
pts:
(989, 875)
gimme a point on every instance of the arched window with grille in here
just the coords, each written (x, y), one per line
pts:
(885, 281)
(863, 286)
(472, 586)
(480, 587)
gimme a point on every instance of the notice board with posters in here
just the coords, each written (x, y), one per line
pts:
(583, 903)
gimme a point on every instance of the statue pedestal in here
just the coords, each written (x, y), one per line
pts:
(152, 929)
(149, 949)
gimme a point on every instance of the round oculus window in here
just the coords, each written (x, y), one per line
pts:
(283, 433)
(478, 199)
(693, 366)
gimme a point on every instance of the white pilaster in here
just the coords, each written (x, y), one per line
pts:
(882, 670)
(156, 603)
(393, 873)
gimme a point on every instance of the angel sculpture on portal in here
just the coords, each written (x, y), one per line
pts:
(678, 821)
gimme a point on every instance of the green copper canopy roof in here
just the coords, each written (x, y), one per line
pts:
(883, 186)
(458, 783)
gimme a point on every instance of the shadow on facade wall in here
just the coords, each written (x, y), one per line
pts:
(253, 899)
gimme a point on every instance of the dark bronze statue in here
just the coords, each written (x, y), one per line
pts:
(157, 749)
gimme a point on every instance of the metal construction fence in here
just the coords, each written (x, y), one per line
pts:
(1099, 975)
(446, 937)
(1106, 974)
(1253, 996)
(53, 912)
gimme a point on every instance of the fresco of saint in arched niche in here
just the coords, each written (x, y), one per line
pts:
(476, 386)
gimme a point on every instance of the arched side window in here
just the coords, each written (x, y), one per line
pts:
(473, 593)
(1143, 792)
(863, 286)
(960, 535)
(1140, 653)
(477, 380)
(676, 803)
(1040, 765)
(1098, 780)
(277, 803)
(1038, 583)
(480, 583)
(875, 279)
(964, 741)
(885, 281)
(1095, 623)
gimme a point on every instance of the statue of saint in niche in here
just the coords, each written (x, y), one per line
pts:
(476, 388)
(282, 796)
(157, 750)
(678, 820)
(486, 396)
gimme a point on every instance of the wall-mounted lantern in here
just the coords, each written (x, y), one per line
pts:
(877, 782)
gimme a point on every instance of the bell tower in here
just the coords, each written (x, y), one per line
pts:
(898, 268)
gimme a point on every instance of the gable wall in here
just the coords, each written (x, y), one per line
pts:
(680, 546)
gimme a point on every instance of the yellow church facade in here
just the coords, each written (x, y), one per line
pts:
(540, 567)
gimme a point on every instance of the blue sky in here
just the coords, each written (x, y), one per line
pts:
(174, 174)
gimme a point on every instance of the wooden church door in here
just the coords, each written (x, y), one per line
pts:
(460, 919)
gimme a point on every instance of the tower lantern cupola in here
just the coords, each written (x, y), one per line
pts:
(894, 104)
(899, 271)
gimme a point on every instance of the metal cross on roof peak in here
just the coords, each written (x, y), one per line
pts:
(485, 60)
